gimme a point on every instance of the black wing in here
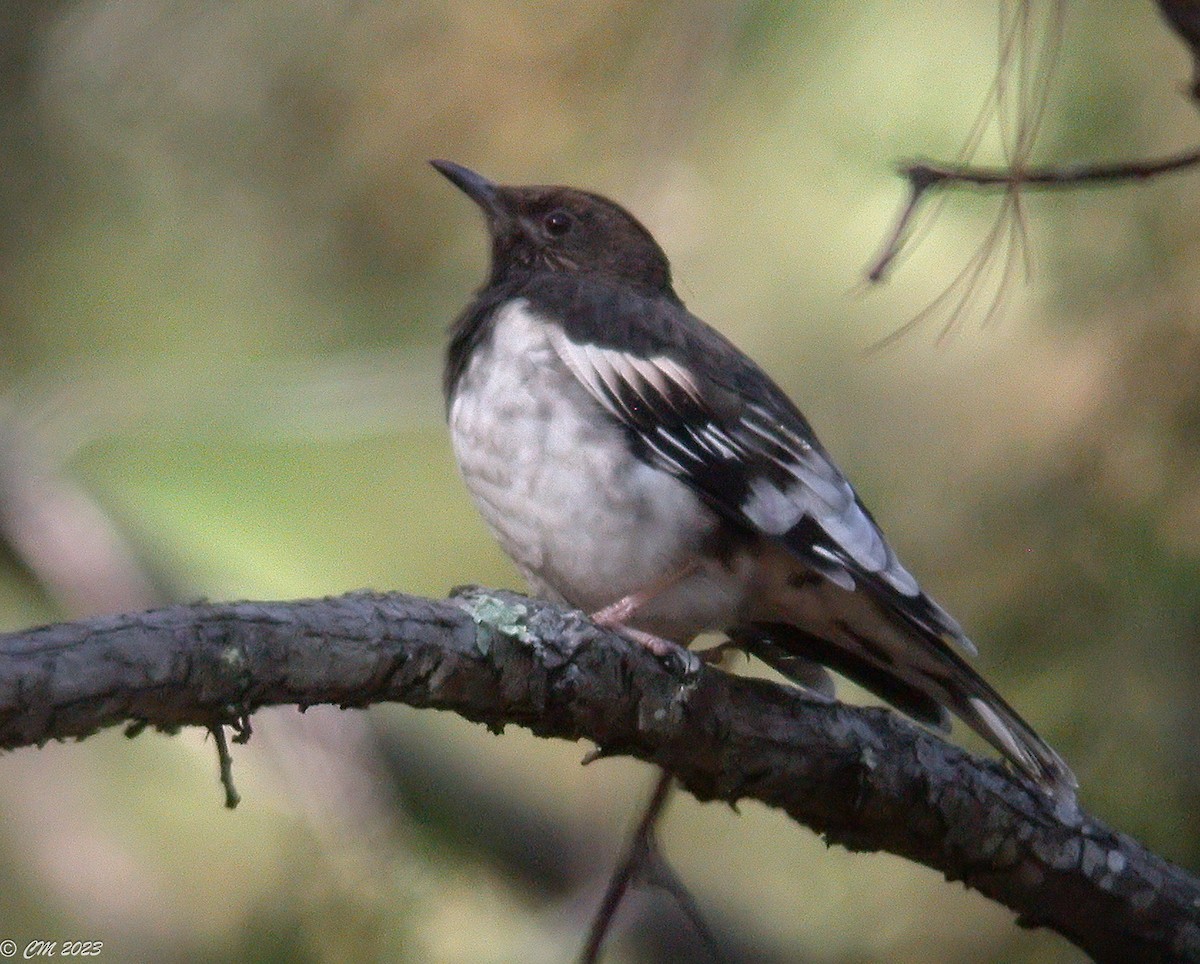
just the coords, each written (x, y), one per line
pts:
(696, 407)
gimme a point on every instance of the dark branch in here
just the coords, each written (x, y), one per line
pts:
(861, 777)
(924, 177)
(1183, 16)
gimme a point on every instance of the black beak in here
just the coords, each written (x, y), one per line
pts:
(475, 186)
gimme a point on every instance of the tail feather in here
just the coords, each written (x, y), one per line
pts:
(997, 723)
(921, 677)
(791, 652)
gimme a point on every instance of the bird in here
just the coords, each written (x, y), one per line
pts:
(636, 465)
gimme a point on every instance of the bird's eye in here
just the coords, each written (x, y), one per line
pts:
(558, 223)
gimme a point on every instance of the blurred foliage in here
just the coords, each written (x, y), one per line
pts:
(225, 270)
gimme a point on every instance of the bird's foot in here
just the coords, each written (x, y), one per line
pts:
(614, 615)
(610, 617)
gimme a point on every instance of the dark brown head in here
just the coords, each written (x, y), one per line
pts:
(561, 229)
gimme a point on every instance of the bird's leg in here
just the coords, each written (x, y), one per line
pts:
(617, 615)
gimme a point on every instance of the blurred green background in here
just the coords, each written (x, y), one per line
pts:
(225, 275)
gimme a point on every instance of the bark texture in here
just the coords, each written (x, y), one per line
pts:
(861, 777)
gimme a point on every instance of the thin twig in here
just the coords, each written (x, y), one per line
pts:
(232, 797)
(631, 863)
(924, 177)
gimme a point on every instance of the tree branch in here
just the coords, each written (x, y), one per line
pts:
(863, 778)
(924, 177)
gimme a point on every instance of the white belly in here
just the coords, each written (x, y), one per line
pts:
(583, 519)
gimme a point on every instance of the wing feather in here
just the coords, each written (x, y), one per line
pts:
(757, 463)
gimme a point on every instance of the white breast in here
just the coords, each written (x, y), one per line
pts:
(585, 520)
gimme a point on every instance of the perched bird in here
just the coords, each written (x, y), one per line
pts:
(635, 464)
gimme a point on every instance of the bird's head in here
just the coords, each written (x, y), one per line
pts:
(560, 229)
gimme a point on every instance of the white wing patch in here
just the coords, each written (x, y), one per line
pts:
(773, 510)
(810, 486)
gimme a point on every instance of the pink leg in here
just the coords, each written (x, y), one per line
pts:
(616, 615)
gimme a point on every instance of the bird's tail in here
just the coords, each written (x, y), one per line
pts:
(922, 676)
(978, 705)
